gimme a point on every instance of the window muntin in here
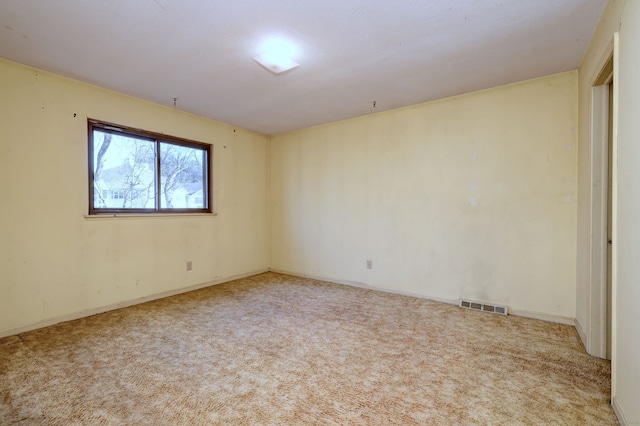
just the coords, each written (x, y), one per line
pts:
(134, 171)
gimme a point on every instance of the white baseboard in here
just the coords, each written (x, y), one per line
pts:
(583, 336)
(516, 312)
(560, 319)
(622, 419)
(363, 285)
(88, 312)
(111, 307)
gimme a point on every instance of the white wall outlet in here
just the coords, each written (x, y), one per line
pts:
(189, 265)
(369, 264)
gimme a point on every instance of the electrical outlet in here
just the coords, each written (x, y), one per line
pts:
(189, 265)
(369, 264)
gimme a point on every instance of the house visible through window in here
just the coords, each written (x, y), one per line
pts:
(135, 171)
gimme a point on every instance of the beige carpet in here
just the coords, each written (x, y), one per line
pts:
(277, 350)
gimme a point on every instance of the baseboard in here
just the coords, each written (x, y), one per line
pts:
(560, 319)
(94, 311)
(583, 336)
(516, 312)
(363, 285)
(622, 419)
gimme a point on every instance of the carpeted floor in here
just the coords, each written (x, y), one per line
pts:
(279, 350)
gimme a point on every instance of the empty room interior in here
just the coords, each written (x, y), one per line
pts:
(416, 212)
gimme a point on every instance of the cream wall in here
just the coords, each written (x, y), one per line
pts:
(471, 197)
(622, 17)
(55, 263)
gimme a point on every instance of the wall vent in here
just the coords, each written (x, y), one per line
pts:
(486, 307)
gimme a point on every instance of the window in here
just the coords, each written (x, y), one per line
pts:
(135, 171)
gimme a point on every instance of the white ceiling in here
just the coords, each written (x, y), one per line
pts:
(352, 52)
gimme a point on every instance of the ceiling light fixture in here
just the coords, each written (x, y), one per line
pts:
(277, 56)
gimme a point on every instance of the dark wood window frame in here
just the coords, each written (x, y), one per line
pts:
(158, 139)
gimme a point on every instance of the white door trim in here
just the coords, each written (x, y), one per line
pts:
(595, 330)
(597, 342)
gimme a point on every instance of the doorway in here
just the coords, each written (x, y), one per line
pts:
(602, 211)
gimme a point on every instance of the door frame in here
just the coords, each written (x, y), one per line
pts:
(599, 304)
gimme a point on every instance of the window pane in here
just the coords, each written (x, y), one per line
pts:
(124, 171)
(136, 171)
(182, 183)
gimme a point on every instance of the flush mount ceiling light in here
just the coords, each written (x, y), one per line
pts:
(275, 64)
(277, 56)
